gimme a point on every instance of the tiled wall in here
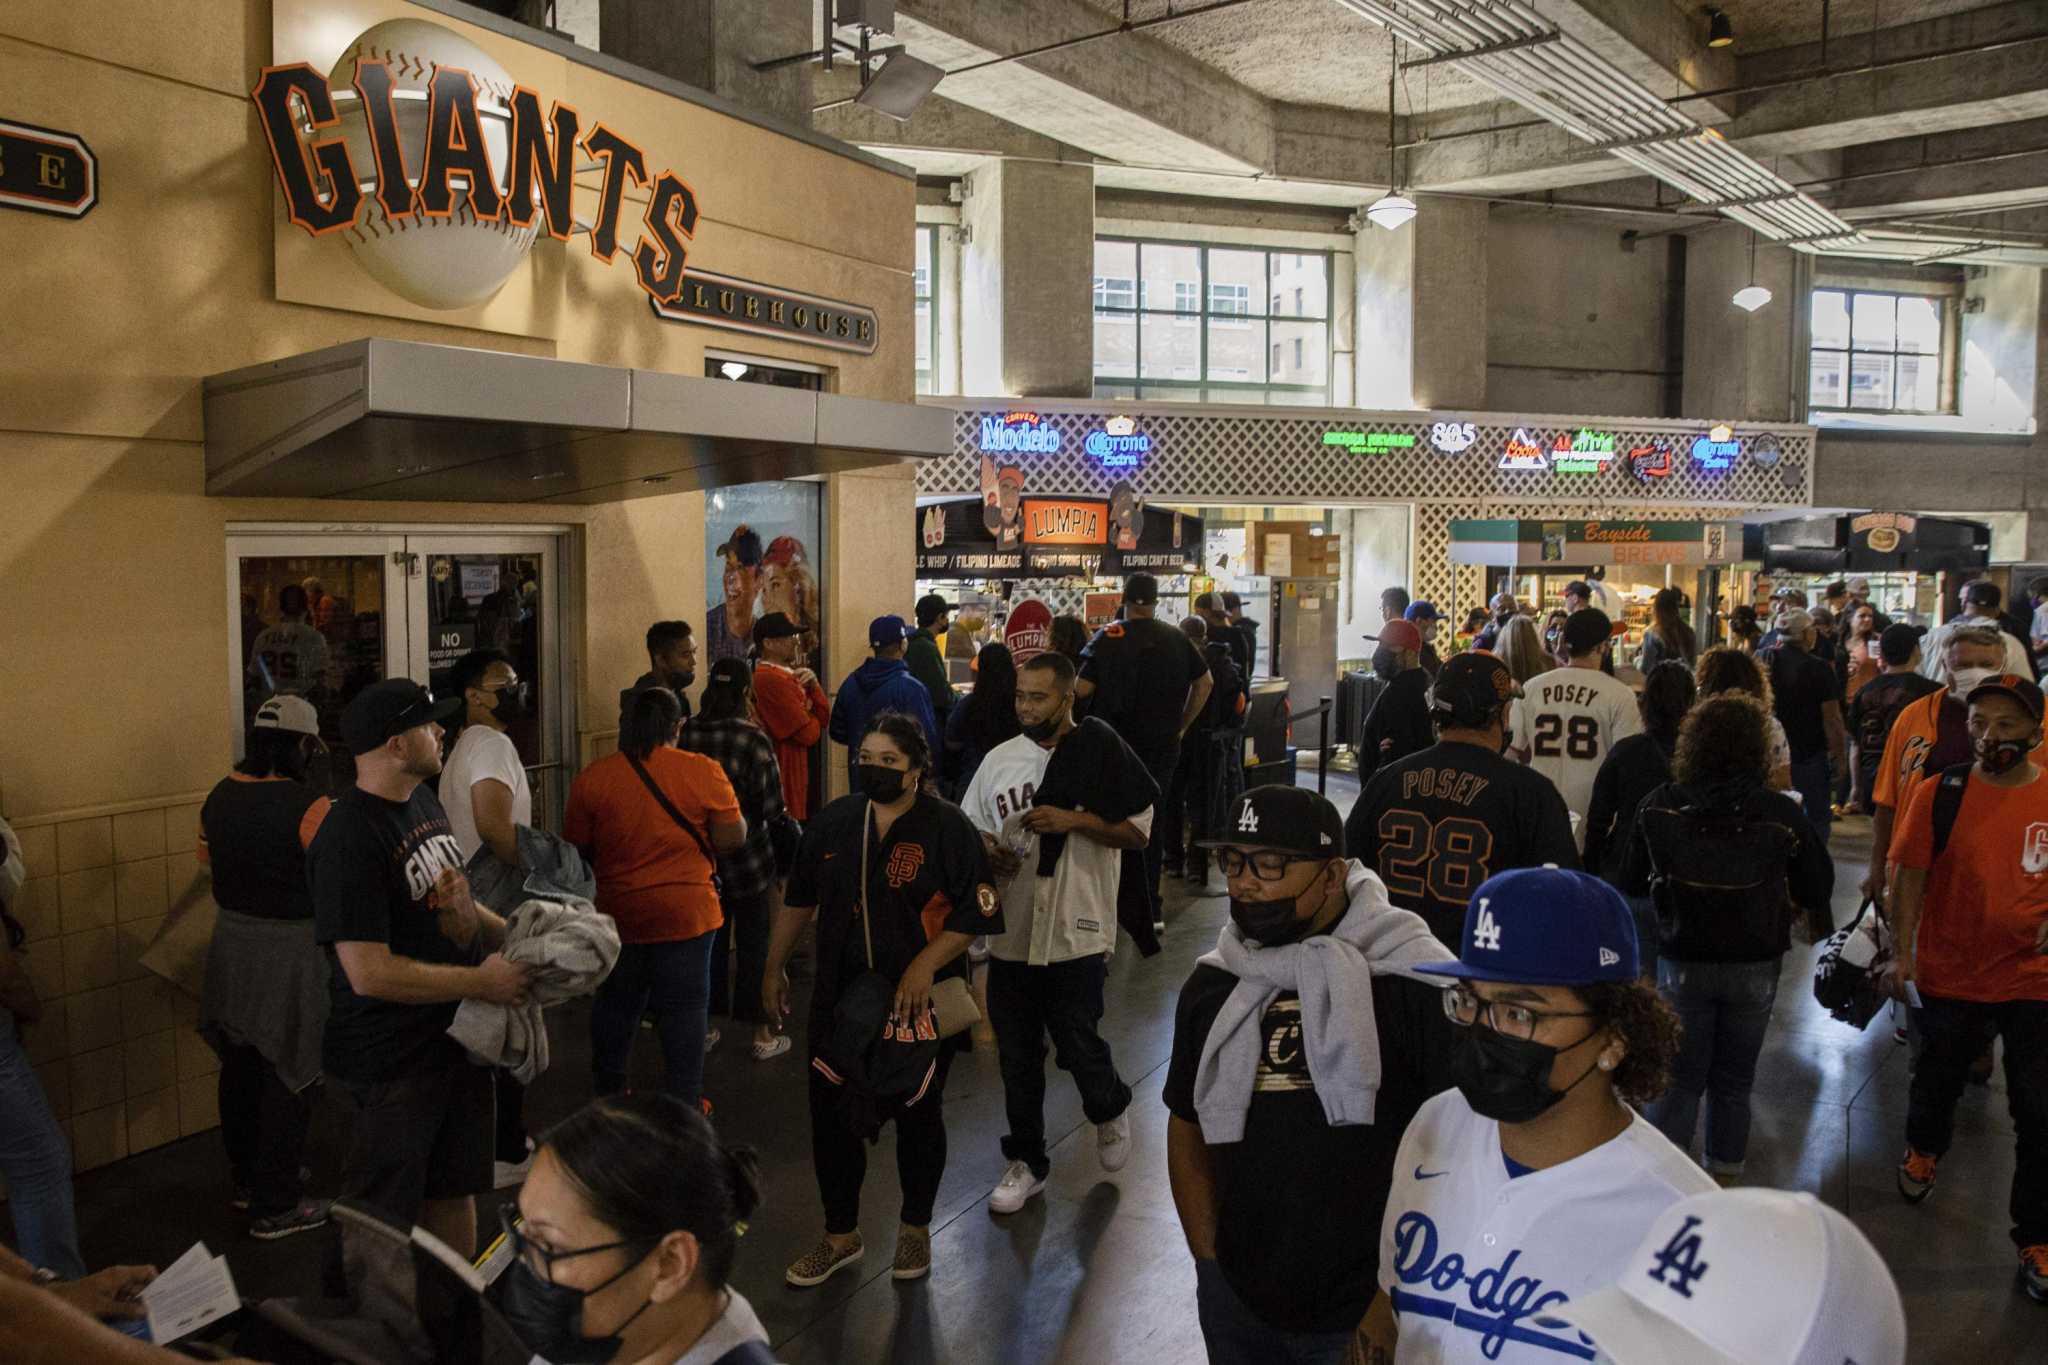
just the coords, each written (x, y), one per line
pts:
(118, 1051)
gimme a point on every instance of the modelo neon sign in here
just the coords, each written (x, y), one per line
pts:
(1119, 445)
(1018, 433)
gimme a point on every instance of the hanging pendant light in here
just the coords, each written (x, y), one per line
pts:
(1393, 208)
(1751, 296)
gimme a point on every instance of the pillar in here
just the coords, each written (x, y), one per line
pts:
(713, 44)
(1027, 267)
(1739, 365)
(1422, 294)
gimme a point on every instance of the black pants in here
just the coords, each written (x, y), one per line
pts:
(1955, 1033)
(1160, 761)
(841, 1158)
(511, 1117)
(263, 1126)
(1169, 823)
(1064, 999)
(738, 992)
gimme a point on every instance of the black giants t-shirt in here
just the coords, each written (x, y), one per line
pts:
(1438, 823)
(1874, 712)
(927, 875)
(1800, 686)
(1142, 671)
(373, 866)
(1300, 1202)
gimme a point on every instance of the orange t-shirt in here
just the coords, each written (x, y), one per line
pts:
(652, 878)
(1987, 897)
(1906, 750)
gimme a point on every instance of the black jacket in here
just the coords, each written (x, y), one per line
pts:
(1399, 724)
(1634, 767)
(1808, 872)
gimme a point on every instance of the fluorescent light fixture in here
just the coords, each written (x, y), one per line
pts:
(1390, 211)
(899, 85)
(1751, 297)
(732, 369)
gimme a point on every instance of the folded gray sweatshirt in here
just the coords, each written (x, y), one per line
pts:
(575, 949)
(1332, 975)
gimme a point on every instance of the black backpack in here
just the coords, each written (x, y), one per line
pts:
(1717, 880)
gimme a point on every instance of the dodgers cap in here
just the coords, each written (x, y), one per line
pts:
(1545, 926)
(885, 631)
(1422, 611)
(1292, 819)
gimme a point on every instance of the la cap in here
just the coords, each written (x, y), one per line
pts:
(1422, 611)
(1469, 688)
(1747, 1277)
(775, 626)
(2025, 691)
(1399, 634)
(1292, 819)
(389, 708)
(287, 712)
(1587, 629)
(1544, 926)
(885, 631)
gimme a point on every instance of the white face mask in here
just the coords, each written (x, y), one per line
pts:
(1963, 681)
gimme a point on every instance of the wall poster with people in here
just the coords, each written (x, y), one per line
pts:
(761, 546)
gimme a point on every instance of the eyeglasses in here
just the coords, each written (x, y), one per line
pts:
(1268, 865)
(538, 1259)
(1467, 1007)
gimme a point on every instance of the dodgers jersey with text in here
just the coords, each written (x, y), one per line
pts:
(1046, 919)
(1566, 720)
(1471, 1258)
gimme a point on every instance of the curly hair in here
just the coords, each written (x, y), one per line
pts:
(1724, 669)
(1724, 738)
(1648, 1027)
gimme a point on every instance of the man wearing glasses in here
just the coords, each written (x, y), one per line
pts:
(1302, 1046)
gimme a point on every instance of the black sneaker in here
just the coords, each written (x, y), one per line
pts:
(310, 1214)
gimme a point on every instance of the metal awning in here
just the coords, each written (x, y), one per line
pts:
(406, 421)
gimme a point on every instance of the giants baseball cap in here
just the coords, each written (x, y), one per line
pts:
(1544, 926)
(386, 709)
(286, 712)
(1747, 1277)
(2022, 690)
(1469, 688)
(884, 631)
(1293, 819)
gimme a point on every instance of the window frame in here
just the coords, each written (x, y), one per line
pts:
(1137, 385)
(1943, 354)
(930, 298)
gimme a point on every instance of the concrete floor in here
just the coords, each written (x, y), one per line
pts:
(1096, 1269)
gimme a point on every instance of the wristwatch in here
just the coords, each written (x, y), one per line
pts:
(44, 1275)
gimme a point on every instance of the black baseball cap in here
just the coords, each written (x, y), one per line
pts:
(931, 607)
(390, 708)
(1469, 688)
(2022, 690)
(1587, 629)
(1579, 587)
(1293, 819)
(731, 673)
(1141, 590)
(1898, 642)
(775, 626)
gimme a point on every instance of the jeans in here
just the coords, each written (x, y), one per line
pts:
(673, 980)
(1649, 934)
(1815, 785)
(840, 1158)
(263, 1126)
(1725, 1007)
(738, 994)
(1235, 1336)
(37, 1163)
(1064, 999)
(1955, 1033)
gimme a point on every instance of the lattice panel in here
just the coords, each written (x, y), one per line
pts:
(1256, 457)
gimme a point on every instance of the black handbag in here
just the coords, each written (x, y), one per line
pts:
(710, 854)
(784, 836)
(1845, 976)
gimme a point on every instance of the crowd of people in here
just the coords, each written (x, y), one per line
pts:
(1501, 1005)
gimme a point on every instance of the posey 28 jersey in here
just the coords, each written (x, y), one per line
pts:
(1471, 1256)
(1566, 721)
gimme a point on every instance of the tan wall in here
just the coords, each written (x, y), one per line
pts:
(114, 714)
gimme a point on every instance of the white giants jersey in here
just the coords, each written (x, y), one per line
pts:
(1470, 1257)
(1046, 919)
(1566, 721)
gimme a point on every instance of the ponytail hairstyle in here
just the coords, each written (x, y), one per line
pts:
(648, 1164)
(652, 715)
(908, 736)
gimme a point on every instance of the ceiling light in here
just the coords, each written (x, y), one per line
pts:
(732, 369)
(1391, 210)
(1752, 297)
(1720, 33)
(899, 85)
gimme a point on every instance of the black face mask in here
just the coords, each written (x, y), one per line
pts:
(508, 704)
(678, 681)
(2001, 755)
(881, 784)
(548, 1318)
(1272, 924)
(1044, 729)
(1505, 1078)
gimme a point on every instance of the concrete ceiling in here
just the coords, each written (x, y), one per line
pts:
(1761, 25)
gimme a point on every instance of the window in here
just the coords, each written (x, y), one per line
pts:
(927, 296)
(1875, 352)
(1178, 320)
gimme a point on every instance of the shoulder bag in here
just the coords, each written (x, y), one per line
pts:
(953, 1007)
(661, 797)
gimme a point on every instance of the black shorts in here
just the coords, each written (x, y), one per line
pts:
(429, 1136)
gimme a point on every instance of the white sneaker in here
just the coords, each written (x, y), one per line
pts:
(1016, 1186)
(1113, 1142)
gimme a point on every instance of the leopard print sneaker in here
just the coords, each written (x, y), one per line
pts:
(822, 1262)
(913, 1254)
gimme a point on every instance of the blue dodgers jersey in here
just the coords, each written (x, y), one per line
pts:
(1471, 1257)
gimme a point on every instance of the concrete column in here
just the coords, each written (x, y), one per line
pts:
(869, 570)
(1421, 314)
(1998, 361)
(1027, 318)
(1739, 365)
(712, 44)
